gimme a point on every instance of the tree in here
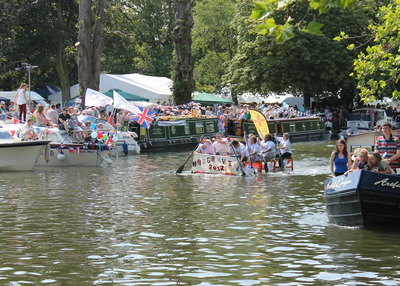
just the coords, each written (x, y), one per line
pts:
(90, 48)
(38, 33)
(264, 11)
(307, 65)
(137, 38)
(183, 70)
(376, 69)
(214, 42)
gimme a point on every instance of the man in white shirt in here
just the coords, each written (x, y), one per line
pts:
(29, 131)
(240, 151)
(221, 145)
(52, 114)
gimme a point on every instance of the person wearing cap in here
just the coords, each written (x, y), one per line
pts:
(388, 146)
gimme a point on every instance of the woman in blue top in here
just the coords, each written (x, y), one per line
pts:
(340, 159)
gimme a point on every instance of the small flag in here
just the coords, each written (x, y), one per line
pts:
(71, 150)
(59, 149)
(51, 152)
(48, 131)
(15, 121)
(78, 100)
(3, 116)
(43, 153)
(78, 150)
(12, 133)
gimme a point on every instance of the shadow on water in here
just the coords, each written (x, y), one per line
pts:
(138, 223)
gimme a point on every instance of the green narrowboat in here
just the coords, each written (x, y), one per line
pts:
(173, 135)
(170, 135)
(299, 129)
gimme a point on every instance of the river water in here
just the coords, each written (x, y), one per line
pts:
(138, 223)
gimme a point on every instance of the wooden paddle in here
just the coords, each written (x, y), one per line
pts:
(180, 169)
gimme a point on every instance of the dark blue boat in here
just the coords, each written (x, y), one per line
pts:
(364, 199)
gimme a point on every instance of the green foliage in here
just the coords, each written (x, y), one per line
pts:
(308, 64)
(376, 69)
(214, 42)
(138, 37)
(264, 11)
(30, 32)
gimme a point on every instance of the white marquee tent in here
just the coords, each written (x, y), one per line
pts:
(11, 95)
(152, 87)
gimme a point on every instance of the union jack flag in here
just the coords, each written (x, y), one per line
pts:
(144, 118)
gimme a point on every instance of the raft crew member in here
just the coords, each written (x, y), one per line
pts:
(388, 146)
(221, 145)
(205, 146)
(30, 132)
(240, 150)
(267, 150)
(254, 149)
(285, 151)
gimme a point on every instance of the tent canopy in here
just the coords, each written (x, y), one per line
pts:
(11, 95)
(206, 98)
(126, 95)
(154, 88)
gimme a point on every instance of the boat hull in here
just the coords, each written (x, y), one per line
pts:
(85, 158)
(21, 155)
(214, 164)
(364, 199)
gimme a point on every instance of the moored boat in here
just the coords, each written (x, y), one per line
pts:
(363, 199)
(20, 155)
(214, 164)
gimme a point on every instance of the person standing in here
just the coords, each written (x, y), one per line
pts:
(371, 112)
(284, 147)
(20, 99)
(388, 146)
(340, 159)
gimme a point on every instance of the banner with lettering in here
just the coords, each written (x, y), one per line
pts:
(213, 164)
(342, 183)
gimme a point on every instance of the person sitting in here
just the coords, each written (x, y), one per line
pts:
(240, 150)
(63, 119)
(52, 114)
(221, 145)
(254, 149)
(205, 146)
(284, 147)
(102, 115)
(41, 118)
(267, 150)
(379, 165)
(87, 133)
(360, 161)
(75, 125)
(29, 132)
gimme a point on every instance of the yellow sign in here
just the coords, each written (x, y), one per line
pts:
(259, 122)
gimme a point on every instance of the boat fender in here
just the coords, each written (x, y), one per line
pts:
(106, 159)
(47, 153)
(61, 157)
(125, 146)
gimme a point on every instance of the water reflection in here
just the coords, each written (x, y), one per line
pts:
(138, 223)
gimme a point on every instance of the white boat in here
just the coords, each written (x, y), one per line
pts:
(17, 155)
(74, 155)
(366, 140)
(214, 164)
(126, 143)
(61, 150)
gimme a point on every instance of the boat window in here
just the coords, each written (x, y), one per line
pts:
(292, 127)
(5, 135)
(200, 127)
(304, 126)
(210, 127)
(369, 148)
(187, 130)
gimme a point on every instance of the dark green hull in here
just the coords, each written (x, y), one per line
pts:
(299, 129)
(170, 138)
